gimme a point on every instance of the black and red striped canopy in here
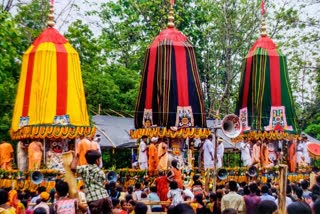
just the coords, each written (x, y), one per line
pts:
(170, 92)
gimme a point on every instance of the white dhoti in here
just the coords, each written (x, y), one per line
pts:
(22, 157)
(219, 161)
(220, 152)
(306, 153)
(247, 162)
(245, 154)
(143, 165)
(208, 153)
(208, 165)
(299, 155)
(143, 158)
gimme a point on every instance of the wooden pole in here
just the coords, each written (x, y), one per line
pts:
(44, 151)
(214, 184)
(207, 179)
(283, 171)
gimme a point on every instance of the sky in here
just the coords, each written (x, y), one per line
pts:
(66, 12)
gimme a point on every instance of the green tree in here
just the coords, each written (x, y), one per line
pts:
(32, 19)
(10, 57)
(111, 85)
(298, 36)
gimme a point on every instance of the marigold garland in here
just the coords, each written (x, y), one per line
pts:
(264, 135)
(164, 132)
(52, 131)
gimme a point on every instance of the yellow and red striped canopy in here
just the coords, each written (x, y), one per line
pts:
(50, 101)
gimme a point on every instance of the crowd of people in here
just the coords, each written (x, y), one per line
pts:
(166, 194)
(270, 153)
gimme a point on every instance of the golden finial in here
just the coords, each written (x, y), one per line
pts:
(171, 17)
(263, 27)
(263, 22)
(51, 22)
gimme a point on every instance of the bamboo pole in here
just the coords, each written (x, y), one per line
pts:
(283, 171)
(214, 184)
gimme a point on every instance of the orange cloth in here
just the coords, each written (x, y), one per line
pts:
(162, 187)
(256, 154)
(94, 145)
(153, 159)
(264, 155)
(292, 157)
(15, 203)
(177, 177)
(163, 156)
(6, 155)
(35, 155)
(82, 147)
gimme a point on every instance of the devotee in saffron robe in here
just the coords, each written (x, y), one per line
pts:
(6, 155)
(264, 155)
(256, 153)
(163, 155)
(292, 159)
(175, 173)
(83, 146)
(15, 202)
(35, 155)
(162, 186)
(153, 156)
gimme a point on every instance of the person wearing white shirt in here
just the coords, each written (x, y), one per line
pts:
(299, 151)
(305, 150)
(220, 152)
(143, 158)
(245, 153)
(208, 153)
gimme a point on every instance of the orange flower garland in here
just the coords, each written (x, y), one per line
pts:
(164, 132)
(43, 131)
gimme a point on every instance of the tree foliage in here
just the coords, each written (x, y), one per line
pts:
(10, 56)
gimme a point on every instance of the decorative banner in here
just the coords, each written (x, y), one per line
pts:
(61, 120)
(244, 119)
(24, 121)
(147, 118)
(278, 120)
(184, 117)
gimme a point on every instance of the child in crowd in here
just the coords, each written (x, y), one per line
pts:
(175, 194)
